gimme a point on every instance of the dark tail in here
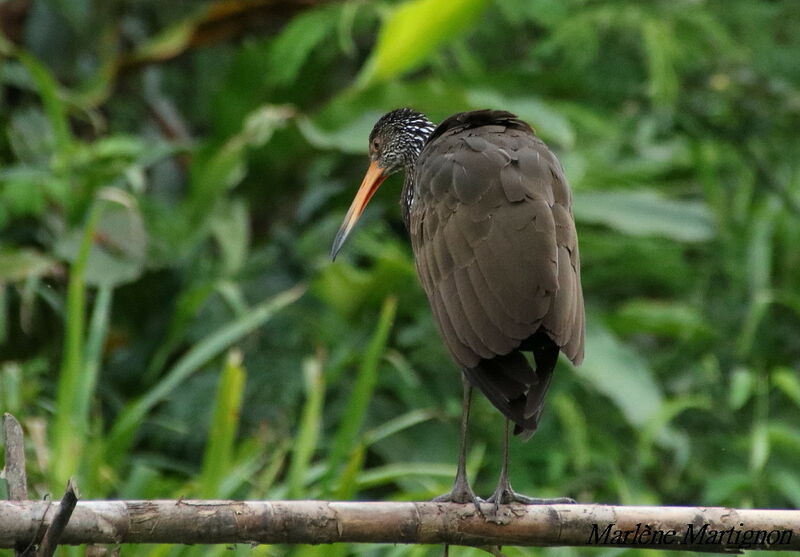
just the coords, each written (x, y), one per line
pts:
(513, 387)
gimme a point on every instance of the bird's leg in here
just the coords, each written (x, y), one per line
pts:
(504, 494)
(462, 492)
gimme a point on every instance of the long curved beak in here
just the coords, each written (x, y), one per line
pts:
(374, 178)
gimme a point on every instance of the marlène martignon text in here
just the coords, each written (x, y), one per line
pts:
(645, 534)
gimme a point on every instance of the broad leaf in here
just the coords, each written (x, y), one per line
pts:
(414, 31)
(645, 213)
(621, 374)
(295, 43)
(119, 248)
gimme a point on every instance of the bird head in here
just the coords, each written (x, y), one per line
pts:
(395, 143)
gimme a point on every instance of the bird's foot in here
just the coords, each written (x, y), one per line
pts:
(461, 493)
(504, 495)
(513, 497)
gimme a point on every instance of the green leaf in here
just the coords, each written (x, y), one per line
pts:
(355, 414)
(659, 46)
(190, 302)
(54, 107)
(95, 341)
(759, 446)
(742, 386)
(658, 428)
(398, 424)
(119, 243)
(621, 374)
(275, 466)
(70, 425)
(350, 138)
(787, 483)
(215, 175)
(20, 264)
(646, 213)
(338, 285)
(11, 374)
(92, 360)
(24, 198)
(722, 487)
(348, 478)
(661, 317)
(391, 473)
(121, 435)
(77, 12)
(413, 31)
(760, 252)
(298, 39)
(231, 229)
(224, 424)
(249, 460)
(309, 430)
(169, 42)
(573, 422)
(31, 137)
(3, 320)
(784, 436)
(787, 381)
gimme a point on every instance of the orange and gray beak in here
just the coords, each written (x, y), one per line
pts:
(374, 178)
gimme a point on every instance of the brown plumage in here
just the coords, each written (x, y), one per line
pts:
(496, 251)
(489, 212)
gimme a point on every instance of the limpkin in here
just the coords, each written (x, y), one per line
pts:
(489, 212)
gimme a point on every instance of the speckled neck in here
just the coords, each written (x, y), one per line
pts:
(422, 133)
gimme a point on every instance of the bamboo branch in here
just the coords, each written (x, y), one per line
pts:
(314, 522)
(224, 522)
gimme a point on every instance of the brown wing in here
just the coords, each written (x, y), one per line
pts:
(494, 239)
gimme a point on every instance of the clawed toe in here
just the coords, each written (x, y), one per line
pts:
(510, 496)
(462, 494)
(505, 495)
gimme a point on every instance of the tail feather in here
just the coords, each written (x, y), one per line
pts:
(512, 385)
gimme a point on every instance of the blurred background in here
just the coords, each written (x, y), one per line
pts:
(172, 175)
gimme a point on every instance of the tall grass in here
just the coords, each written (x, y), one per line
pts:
(122, 433)
(76, 380)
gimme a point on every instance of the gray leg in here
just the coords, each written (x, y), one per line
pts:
(462, 492)
(504, 494)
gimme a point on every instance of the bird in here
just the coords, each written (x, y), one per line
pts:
(489, 212)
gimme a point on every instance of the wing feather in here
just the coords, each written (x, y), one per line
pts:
(496, 248)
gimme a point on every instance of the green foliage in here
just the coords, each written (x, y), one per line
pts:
(646, 213)
(307, 437)
(70, 425)
(121, 434)
(170, 179)
(413, 31)
(621, 374)
(352, 419)
(218, 459)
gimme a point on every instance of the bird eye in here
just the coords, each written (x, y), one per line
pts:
(376, 144)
